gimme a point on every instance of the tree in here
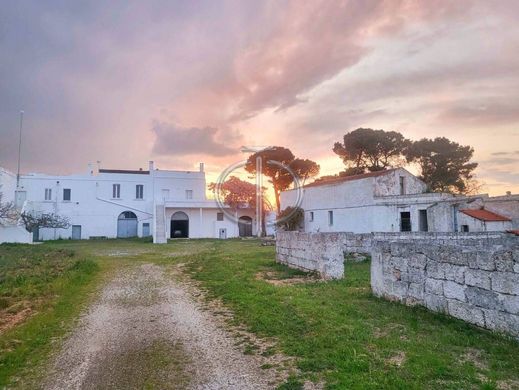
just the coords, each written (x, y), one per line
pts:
(273, 163)
(445, 165)
(8, 212)
(33, 221)
(371, 150)
(236, 193)
(291, 218)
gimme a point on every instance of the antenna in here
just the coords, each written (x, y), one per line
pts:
(19, 151)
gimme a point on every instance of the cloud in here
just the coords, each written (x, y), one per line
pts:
(182, 141)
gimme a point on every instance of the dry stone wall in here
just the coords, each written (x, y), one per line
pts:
(478, 284)
(471, 276)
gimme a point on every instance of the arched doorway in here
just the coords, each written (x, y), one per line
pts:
(179, 225)
(127, 225)
(245, 226)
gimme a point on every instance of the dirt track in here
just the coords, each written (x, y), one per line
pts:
(147, 331)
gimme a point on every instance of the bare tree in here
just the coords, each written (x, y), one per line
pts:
(8, 212)
(33, 221)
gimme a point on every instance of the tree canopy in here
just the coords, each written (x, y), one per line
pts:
(367, 150)
(445, 165)
(273, 163)
(236, 193)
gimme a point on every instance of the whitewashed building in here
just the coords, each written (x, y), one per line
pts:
(396, 200)
(115, 203)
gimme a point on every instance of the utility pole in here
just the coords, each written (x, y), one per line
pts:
(19, 151)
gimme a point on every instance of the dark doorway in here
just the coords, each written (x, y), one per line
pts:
(424, 224)
(405, 221)
(245, 226)
(179, 225)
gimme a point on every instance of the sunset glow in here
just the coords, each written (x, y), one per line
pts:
(182, 82)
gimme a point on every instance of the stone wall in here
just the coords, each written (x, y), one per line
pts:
(471, 276)
(478, 284)
(324, 252)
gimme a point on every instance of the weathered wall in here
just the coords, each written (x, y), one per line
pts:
(324, 252)
(471, 276)
(476, 283)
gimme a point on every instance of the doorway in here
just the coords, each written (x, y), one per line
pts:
(405, 221)
(424, 224)
(127, 225)
(245, 226)
(179, 225)
(76, 232)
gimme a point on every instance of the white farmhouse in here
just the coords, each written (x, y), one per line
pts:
(396, 200)
(129, 203)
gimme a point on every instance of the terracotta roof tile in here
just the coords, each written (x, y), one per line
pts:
(485, 215)
(516, 232)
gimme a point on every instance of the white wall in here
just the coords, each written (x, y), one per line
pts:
(15, 234)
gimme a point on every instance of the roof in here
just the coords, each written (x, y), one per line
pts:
(342, 179)
(138, 172)
(485, 215)
(516, 232)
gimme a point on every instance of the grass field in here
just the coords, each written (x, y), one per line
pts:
(337, 331)
(40, 293)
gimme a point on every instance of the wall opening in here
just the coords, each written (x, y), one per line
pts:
(127, 225)
(179, 225)
(424, 224)
(245, 226)
(405, 221)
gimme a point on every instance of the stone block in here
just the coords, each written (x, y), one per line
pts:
(435, 303)
(483, 298)
(417, 260)
(505, 282)
(510, 303)
(453, 290)
(455, 273)
(504, 261)
(435, 270)
(415, 275)
(416, 291)
(466, 312)
(478, 278)
(434, 286)
(482, 260)
(502, 322)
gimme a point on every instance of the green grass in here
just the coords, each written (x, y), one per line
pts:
(337, 331)
(341, 333)
(41, 290)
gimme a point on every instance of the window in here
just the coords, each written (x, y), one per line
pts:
(402, 185)
(465, 228)
(330, 218)
(116, 191)
(219, 216)
(424, 225)
(67, 195)
(189, 194)
(311, 216)
(405, 221)
(139, 191)
(48, 194)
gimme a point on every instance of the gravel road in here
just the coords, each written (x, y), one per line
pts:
(147, 331)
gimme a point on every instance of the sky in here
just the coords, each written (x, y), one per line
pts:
(180, 82)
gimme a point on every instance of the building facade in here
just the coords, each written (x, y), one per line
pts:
(115, 203)
(396, 200)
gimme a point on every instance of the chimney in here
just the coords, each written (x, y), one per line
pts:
(151, 166)
(201, 167)
(93, 169)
